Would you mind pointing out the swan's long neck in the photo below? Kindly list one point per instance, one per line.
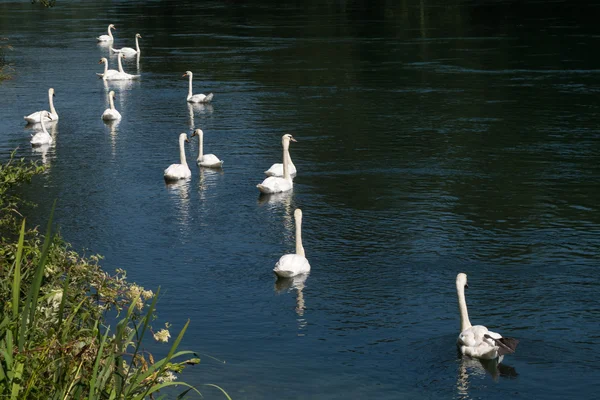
(105, 67)
(200, 146)
(119, 56)
(462, 306)
(286, 160)
(299, 248)
(111, 101)
(137, 46)
(110, 33)
(190, 90)
(182, 151)
(42, 123)
(51, 101)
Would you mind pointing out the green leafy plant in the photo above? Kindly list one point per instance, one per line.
(56, 312)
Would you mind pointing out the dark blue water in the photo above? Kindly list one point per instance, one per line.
(432, 139)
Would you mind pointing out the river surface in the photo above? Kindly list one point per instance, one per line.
(432, 139)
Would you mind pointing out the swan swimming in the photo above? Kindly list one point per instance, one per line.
(477, 341)
(34, 118)
(121, 74)
(196, 98)
(107, 72)
(205, 160)
(179, 171)
(43, 137)
(128, 51)
(109, 37)
(294, 264)
(111, 113)
(276, 184)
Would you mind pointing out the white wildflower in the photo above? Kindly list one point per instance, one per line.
(147, 294)
(55, 298)
(167, 377)
(162, 336)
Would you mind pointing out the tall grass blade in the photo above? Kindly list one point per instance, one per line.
(34, 291)
(16, 289)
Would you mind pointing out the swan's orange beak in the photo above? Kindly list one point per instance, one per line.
(184, 75)
(187, 140)
(293, 140)
(100, 62)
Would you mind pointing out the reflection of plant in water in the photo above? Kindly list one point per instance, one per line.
(45, 3)
(3, 65)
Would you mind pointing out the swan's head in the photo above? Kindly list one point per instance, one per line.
(122, 55)
(183, 137)
(197, 132)
(461, 281)
(137, 35)
(111, 93)
(51, 91)
(111, 26)
(187, 73)
(287, 138)
(298, 214)
(103, 60)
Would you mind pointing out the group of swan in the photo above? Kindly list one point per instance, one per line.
(114, 75)
(34, 118)
(181, 170)
(477, 341)
(275, 183)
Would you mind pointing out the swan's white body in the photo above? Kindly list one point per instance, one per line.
(43, 137)
(111, 113)
(128, 51)
(275, 184)
(294, 264)
(34, 118)
(196, 98)
(121, 74)
(179, 171)
(277, 169)
(476, 341)
(107, 72)
(205, 160)
(109, 37)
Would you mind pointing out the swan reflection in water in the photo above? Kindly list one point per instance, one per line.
(113, 132)
(207, 178)
(199, 109)
(43, 151)
(180, 191)
(473, 368)
(297, 284)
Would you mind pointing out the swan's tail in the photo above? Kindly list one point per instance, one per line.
(505, 345)
(208, 98)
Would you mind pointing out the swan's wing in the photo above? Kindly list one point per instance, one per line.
(505, 345)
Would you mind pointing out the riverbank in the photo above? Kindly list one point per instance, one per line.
(70, 329)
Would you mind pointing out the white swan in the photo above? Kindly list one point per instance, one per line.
(276, 184)
(121, 74)
(477, 341)
(196, 98)
(34, 118)
(111, 113)
(109, 37)
(277, 169)
(42, 137)
(294, 264)
(107, 72)
(205, 160)
(179, 171)
(128, 51)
